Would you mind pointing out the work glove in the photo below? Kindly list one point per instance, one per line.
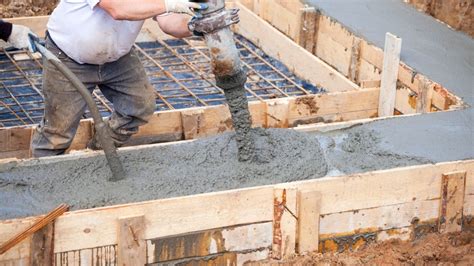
(20, 38)
(199, 26)
(184, 7)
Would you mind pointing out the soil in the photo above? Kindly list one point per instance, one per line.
(16, 9)
(433, 249)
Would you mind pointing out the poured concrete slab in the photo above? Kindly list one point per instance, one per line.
(433, 49)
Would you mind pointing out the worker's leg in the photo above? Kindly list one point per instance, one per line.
(64, 106)
(127, 87)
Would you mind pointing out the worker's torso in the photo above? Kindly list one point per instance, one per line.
(88, 34)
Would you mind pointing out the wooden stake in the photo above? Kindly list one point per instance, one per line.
(452, 201)
(41, 248)
(40, 223)
(309, 205)
(131, 241)
(391, 61)
(284, 223)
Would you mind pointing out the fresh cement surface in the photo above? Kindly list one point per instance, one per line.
(161, 171)
(445, 56)
(431, 48)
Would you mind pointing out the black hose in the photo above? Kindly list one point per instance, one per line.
(101, 128)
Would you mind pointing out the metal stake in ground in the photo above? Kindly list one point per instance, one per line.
(228, 70)
(101, 129)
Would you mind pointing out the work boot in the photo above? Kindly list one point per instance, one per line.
(94, 143)
(119, 140)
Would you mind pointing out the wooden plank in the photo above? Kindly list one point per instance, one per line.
(7, 230)
(237, 239)
(282, 14)
(387, 187)
(393, 46)
(84, 133)
(95, 228)
(15, 138)
(37, 225)
(163, 126)
(284, 223)
(172, 125)
(203, 122)
(364, 84)
(354, 66)
(452, 201)
(41, 248)
(309, 29)
(425, 97)
(87, 229)
(131, 241)
(334, 53)
(301, 62)
(406, 101)
(309, 206)
(379, 218)
(367, 71)
(468, 205)
(277, 113)
(307, 109)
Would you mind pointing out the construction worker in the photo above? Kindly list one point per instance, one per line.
(15, 35)
(95, 38)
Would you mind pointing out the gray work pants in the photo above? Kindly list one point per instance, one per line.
(123, 82)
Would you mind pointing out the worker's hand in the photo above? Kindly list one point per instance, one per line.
(225, 18)
(20, 38)
(184, 7)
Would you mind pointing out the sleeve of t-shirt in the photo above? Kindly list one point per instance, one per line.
(5, 30)
(92, 3)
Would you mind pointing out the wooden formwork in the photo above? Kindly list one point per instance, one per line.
(276, 221)
(349, 97)
(351, 55)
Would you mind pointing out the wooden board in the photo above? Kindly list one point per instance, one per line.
(131, 241)
(411, 188)
(201, 122)
(299, 61)
(453, 186)
(309, 205)
(393, 46)
(284, 222)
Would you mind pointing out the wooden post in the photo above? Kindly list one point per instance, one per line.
(131, 241)
(452, 202)
(41, 247)
(391, 62)
(309, 205)
(284, 223)
(309, 28)
(425, 96)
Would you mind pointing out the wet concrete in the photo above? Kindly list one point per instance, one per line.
(162, 171)
(445, 56)
(239, 110)
(431, 48)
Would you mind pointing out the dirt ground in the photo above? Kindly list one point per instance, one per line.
(25, 9)
(433, 249)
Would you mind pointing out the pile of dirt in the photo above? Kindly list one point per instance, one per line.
(19, 9)
(433, 249)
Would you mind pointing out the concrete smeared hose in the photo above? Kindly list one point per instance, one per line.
(228, 70)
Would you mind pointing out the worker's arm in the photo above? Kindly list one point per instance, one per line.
(175, 25)
(131, 10)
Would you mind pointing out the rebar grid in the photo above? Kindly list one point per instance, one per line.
(179, 70)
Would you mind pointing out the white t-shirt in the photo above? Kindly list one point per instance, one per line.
(88, 34)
